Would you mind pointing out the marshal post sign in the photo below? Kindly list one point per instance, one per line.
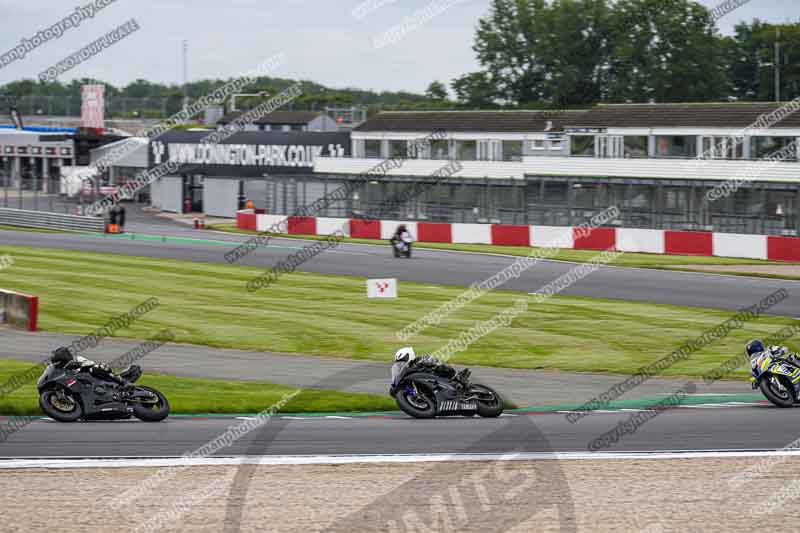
(247, 153)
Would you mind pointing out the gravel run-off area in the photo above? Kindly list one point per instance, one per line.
(652, 496)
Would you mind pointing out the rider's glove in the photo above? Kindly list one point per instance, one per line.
(778, 351)
(105, 368)
(430, 360)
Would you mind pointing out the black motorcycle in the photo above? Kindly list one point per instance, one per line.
(427, 391)
(68, 391)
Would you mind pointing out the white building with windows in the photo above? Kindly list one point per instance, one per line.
(656, 162)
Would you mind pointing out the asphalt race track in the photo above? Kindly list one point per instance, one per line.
(449, 268)
(744, 428)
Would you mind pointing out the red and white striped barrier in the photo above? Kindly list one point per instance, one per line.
(19, 310)
(701, 243)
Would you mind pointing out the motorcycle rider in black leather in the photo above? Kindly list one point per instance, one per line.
(398, 233)
(64, 357)
(777, 352)
(426, 361)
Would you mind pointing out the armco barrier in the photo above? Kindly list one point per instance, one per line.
(688, 242)
(19, 310)
(302, 225)
(511, 235)
(703, 243)
(783, 248)
(434, 232)
(472, 233)
(365, 229)
(649, 241)
(552, 237)
(736, 245)
(594, 239)
(329, 226)
(246, 220)
(47, 220)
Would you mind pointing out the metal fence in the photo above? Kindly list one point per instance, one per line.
(757, 208)
(48, 220)
(42, 193)
(163, 107)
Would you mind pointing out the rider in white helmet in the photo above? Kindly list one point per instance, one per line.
(405, 355)
(408, 355)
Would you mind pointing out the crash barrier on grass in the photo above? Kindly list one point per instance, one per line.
(19, 310)
(700, 243)
(48, 220)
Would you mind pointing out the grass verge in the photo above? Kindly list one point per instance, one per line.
(191, 395)
(629, 259)
(326, 315)
(31, 230)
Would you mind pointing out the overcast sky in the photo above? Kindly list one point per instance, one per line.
(322, 39)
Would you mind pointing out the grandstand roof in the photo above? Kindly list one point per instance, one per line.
(480, 121)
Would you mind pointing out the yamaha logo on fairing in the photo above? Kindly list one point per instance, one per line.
(454, 405)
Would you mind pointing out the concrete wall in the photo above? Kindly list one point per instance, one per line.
(155, 194)
(168, 194)
(220, 197)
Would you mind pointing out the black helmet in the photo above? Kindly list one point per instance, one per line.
(61, 356)
(753, 347)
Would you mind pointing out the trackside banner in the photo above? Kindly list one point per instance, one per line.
(247, 153)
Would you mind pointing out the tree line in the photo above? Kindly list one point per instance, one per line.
(548, 54)
(568, 53)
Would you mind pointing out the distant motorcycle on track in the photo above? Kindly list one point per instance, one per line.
(426, 388)
(401, 242)
(69, 391)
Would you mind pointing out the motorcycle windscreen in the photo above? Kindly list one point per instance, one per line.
(397, 369)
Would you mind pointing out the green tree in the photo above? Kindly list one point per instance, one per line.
(665, 51)
(535, 52)
(475, 90)
(507, 43)
(436, 91)
(575, 53)
(751, 53)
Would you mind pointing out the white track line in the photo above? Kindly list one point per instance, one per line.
(380, 459)
(707, 406)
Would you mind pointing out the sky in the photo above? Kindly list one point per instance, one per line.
(323, 41)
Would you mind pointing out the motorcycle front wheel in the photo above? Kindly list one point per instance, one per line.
(60, 405)
(777, 391)
(152, 412)
(490, 403)
(415, 402)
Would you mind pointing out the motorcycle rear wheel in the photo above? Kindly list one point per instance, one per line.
(486, 408)
(60, 410)
(779, 393)
(152, 413)
(420, 405)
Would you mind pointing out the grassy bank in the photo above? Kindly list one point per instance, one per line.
(629, 259)
(31, 230)
(190, 395)
(323, 315)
